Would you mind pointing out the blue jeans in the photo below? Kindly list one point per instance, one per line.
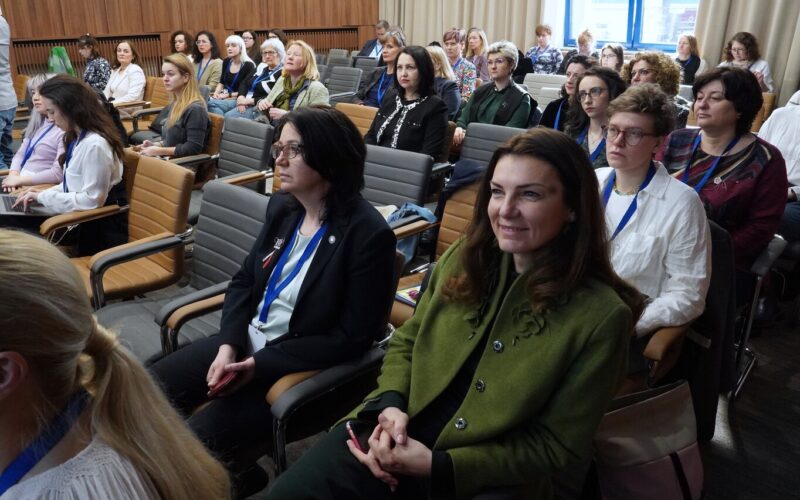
(790, 222)
(6, 123)
(221, 106)
(250, 112)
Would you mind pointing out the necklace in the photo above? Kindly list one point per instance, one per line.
(625, 193)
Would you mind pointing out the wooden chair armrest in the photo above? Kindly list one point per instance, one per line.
(60, 221)
(4, 172)
(147, 111)
(132, 244)
(287, 382)
(193, 310)
(413, 228)
(244, 178)
(131, 104)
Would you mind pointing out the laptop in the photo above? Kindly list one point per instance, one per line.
(34, 209)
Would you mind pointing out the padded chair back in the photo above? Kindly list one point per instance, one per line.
(244, 146)
(160, 202)
(130, 163)
(343, 79)
(448, 143)
(339, 61)
(215, 135)
(365, 62)
(362, 116)
(231, 218)
(685, 91)
(21, 86)
(393, 176)
(536, 81)
(458, 212)
(547, 95)
(320, 58)
(764, 112)
(338, 53)
(482, 139)
(158, 93)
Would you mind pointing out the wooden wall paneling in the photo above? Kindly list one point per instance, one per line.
(32, 19)
(84, 16)
(161, 16)
(244, 14)
(362, 12)
(201, 15)
(286, 14)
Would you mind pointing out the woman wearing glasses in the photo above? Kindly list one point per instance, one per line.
(555, 114)
(208, 65)
(663, 251)
(659, 68)
(257, 87)
(587, 111)
(742, 52)
(314, 291)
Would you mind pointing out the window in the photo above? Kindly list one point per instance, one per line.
(636, 24)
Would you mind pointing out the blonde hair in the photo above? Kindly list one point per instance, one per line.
(67, 350)
(441, 65)
(311, 72)
(189, 94)
(586, 37)
(484, 42)
(239, 41)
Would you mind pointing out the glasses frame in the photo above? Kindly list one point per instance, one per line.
(290, 151)
(595, 92)
(625, 137)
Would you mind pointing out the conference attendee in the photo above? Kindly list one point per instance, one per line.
(236, 68)
(555, 114)
(36, 160)
(465, 72)
(127, 79)
(500, 101)
(514, 352)
(251, 45)
(79, 415)
(416, 119)
(545, 57)
(585, 48)
(742, 52)
(444, 82)
(206, 57)
(8, 98)
(279, 34)
(663, 251)
(374, 47)
(740, 178)
(92, 166)
(659, 68)
(477, 44)
(313, 292)
(98, 70)
(181, 42)
(260, 83)
(612, 56)
(782, 130)
(183, 126)
(298, 85)
(380, 84)
(688, 57)
(587, 116)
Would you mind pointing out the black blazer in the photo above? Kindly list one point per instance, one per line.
(424, 129)
(343, 301)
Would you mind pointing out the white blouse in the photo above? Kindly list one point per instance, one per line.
(90, 174)
(127, 85)
(664, 250)
(97, 471)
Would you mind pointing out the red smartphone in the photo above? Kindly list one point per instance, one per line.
(359, 433)
(223, 382)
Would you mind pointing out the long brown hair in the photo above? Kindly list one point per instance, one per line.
(80, 104)
(578, 253)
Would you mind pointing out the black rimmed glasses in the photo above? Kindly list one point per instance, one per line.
(631, 136)
(290, 150)
(595, 92)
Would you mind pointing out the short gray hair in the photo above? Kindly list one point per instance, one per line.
(276, 44)
(507, 49)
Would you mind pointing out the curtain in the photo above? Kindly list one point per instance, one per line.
(776, 25)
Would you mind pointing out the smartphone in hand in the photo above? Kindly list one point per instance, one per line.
(222, 384)
(359, 432)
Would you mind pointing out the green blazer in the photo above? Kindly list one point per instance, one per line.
(315, 93)
(541, 386)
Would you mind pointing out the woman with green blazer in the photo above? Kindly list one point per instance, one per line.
(513, 354)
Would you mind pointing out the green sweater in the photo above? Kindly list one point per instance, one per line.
(544, 392)
(490, 104)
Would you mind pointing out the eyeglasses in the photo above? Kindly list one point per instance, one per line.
(269, 53)
(641, 72)
(595, 92)
(247, 38)
(499, 60)
(738, 49)
(631, 136)
(290, 150)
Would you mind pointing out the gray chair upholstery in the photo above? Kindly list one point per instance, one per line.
(339, 61)
(324, 72)
(231, 218)
(482, 139)
(338, 53)
(243, 149)
(343, 83)
(365, 62)
(393, 176)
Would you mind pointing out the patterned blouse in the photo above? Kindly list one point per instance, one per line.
(545, 60)
(97, 73)
(465, 77)
(746, 194)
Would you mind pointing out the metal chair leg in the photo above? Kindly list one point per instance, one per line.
(279, 445)
(742, 350)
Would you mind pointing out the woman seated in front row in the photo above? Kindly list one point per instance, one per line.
(314, 291)
(501, 101)
(520, 342)
(92, 166)
(183, 126)
(659, 232)
(414, 119)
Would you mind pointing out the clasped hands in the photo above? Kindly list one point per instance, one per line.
(391, 452)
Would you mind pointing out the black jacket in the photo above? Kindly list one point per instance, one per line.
(343, 301)
(423, 131)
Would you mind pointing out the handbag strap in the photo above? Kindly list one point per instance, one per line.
(681, 475)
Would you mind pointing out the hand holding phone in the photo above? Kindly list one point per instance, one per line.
(359, 433)
(223, 382)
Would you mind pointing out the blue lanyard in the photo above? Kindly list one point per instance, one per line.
(558, 115)
(713, 166)
(651, 172)
(273, 287)
(232, 87)
(46, 441)
(381, 90)
(202, 69)
(264, 75)
(599, 147)
(70, 148)
(457, 64)
(32, 146)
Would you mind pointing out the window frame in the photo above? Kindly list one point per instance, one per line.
(633, 39)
